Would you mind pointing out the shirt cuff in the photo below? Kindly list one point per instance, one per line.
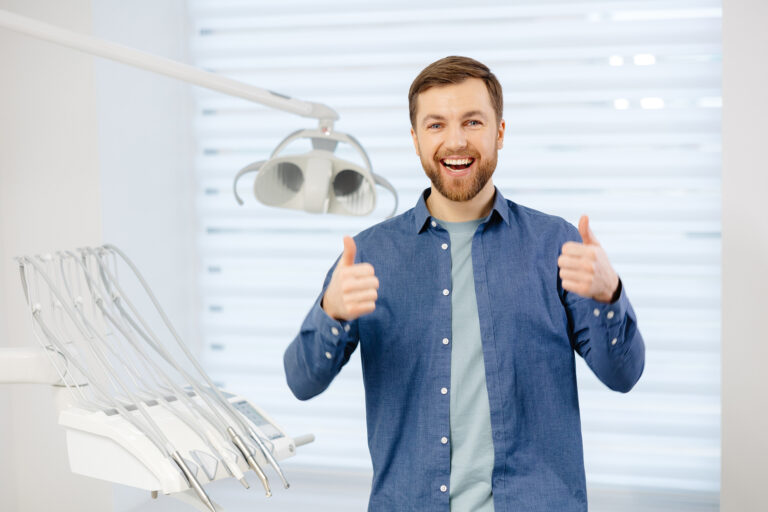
(612, 316)
(333, 333)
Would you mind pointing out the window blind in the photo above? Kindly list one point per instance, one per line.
(612, 109)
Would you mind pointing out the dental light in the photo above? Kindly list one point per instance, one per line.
(317, 182)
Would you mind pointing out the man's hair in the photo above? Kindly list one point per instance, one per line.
(454, 70)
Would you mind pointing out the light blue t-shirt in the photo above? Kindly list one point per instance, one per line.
(470, 415)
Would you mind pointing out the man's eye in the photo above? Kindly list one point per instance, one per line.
(434, 125)
(473, 123)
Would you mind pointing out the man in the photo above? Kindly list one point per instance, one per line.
(468, 309)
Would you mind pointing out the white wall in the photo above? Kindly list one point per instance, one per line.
(49, 199)
(745, 256)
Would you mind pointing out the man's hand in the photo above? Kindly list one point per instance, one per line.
(352, 290)
(585, 269)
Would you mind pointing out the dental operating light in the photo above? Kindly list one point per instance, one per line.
(317, 181)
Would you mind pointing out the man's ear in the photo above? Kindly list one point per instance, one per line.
(415, 142)
(500, 138)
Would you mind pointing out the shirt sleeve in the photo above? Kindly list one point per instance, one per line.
(607, 337)
(318, 352)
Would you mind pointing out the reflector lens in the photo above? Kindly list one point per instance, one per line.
(278, 183)
(353, 192)
(290, 175)
(347, 182)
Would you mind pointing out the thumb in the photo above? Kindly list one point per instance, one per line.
(587, 236)
(348, 256)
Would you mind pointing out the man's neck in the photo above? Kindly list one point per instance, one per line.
(478, 207)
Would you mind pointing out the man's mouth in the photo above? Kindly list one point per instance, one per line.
(457, 164)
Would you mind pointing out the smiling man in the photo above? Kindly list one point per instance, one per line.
(468, 310)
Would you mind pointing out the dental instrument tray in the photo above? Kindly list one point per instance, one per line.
(137, 406)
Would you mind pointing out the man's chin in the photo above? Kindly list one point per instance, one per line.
(458, 193)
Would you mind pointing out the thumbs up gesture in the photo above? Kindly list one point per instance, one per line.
(584, 267)
(352, 290)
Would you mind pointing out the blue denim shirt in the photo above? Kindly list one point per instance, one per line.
(530, 328)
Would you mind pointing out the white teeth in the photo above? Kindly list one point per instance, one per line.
(461, 161)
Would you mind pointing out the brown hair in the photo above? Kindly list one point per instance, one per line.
(454, 70)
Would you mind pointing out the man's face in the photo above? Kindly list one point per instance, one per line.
(457, 137)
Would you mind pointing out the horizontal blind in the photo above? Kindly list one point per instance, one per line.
(612, 109)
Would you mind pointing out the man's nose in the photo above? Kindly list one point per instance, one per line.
(455, 138)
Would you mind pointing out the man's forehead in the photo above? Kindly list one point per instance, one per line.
(468, 96)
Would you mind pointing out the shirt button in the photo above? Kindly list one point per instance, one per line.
(443, 488)
(444, 440)
(445, 341)
(609, 315)
(444, 391)
(434, 224)
(446, 291)
(596, 312)
(614, 341)
(335, 331)
(346, 328)
(328, 355)
(444, 246)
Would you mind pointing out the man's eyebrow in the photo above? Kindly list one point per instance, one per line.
(474, 113)
(433, 117)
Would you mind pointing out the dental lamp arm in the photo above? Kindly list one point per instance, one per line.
(383, 182)
(248, 168)
(167, 67)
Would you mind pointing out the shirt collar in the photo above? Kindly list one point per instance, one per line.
(421, 214)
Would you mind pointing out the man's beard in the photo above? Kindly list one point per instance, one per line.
(461, 188)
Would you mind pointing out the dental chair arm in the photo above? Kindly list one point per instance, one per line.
(29, 365)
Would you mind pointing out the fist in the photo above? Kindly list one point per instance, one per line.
(352, 291)
(584, 267)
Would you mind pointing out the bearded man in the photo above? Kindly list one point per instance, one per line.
(468, 309)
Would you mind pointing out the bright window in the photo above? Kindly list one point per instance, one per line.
(612, 109)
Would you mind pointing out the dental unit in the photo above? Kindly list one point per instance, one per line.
(135, 413)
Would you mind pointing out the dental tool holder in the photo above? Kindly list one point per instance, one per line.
(101, 444)
(139, 409)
